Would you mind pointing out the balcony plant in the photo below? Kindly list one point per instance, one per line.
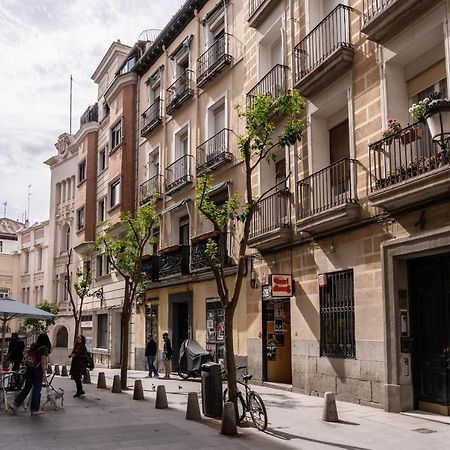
(417, 109)
(393, 127)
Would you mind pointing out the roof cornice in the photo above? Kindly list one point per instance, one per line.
(119, 83)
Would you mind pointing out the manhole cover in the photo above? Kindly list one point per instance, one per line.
(424, 430)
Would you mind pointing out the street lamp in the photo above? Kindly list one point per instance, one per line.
(437, 115)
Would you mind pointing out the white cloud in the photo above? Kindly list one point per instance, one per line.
(42, 44)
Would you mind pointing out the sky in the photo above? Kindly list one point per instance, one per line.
(42, 43)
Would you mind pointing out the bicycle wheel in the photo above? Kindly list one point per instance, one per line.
(240, 403)
(257, 410)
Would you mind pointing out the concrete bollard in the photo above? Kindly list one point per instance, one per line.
(228, 427)
(64, 371)
(87, 377)
(57, 372)
(101, 381)
(329, 413)
(116, 387)
(161, 398)
(138, 393)
(193, 409)
(49, 369)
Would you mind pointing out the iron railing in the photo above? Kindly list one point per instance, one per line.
(214, 151)
(254, 5)
(179, 91)
(151, 117)
(337, 316)
(403, 156)
(150, 187)
(372, 8)
(178, 173)
(198, 258)
(90, 115)
(273, 213)
(150, 266)
(331, 34)
(332, 186)
(273, 83)
(175, 262)
(213, 60)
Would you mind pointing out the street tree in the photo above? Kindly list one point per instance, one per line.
(125, 244)
(41, 326)
(259, 143)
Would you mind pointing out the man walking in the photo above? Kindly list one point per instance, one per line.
(167, 355)
(15, 351)
(150, 354)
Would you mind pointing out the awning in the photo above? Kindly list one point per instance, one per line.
(176, 205)
(218, 188)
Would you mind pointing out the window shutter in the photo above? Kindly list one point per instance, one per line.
(427, 78)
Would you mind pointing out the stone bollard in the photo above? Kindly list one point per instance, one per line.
(101, 381)
(228, 427)
(138, 393)
(116, 387)
(64, 371)
(49, 369)
(57, 372)
(329, 413)
(87, 377)
(193, 409)
(161, 398)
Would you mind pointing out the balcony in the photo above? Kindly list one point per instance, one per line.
(174, 261)
(259, 10)
(271, 223)
(327, 199)
(212, 62)
(178, 174)
(151, 118)
(213, 153)
(384, 19)
(150, 266)
(274, 83)
(325, 53)
(90, 115)
(198, 259)
(179, 91)
(150, 187)
(407, 168)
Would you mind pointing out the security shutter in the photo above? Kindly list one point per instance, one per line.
(427, 78)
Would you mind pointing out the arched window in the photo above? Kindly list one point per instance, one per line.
(65, 238)
(62, 337)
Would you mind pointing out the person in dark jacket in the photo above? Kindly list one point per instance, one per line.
(79, 363)
(150, 354)
(167, 355)
(15, 351)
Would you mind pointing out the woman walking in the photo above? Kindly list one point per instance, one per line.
(79, 363)
(36, 362)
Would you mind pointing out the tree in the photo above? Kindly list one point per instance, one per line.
(125, 254)
(42, 325)
(256, 145)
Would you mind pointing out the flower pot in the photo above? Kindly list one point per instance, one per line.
(411, 135)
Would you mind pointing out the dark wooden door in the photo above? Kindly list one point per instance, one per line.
(429, 287)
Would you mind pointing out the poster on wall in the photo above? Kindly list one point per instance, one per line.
(278, 325)
(271, 347)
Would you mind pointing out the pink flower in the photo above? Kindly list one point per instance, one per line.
(390, 122)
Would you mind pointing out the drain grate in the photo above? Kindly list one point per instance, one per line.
(424, 430)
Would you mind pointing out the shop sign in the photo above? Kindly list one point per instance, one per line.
(281, 285)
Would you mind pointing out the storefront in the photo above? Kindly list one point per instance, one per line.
(215, 329)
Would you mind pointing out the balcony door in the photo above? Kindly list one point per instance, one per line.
(217, 124)
(183, 231)
(340, 173)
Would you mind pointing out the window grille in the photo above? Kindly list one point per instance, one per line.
(337, 316)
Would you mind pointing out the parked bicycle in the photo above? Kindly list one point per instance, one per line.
(250, 402)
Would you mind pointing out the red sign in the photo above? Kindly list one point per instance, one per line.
(281, 285)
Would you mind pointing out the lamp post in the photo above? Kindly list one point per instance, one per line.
(437, 116)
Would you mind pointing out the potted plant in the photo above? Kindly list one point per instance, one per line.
(437, 116)
(393, 127)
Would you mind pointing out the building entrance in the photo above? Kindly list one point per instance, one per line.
(429, 287)
(180, 309)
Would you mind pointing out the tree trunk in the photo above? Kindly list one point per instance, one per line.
(77, 329)
(125, 327)
(229, 356)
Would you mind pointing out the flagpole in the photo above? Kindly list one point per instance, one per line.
(70, 113)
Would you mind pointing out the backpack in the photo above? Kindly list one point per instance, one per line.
(31, 357)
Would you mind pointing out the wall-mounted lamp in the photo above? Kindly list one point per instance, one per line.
(253, 279)
(99, 294)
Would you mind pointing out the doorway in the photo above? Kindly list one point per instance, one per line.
(429, 287)
(180, 322)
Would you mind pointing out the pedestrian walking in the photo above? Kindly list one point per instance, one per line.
(79, 363)
(15, 351)
(167, 356)
(36, 365)
(150, 354)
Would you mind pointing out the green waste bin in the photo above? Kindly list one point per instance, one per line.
(212, 389)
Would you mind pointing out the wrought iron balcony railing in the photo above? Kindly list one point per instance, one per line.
(213, 60)
(328, 188)
(150, 187)
(198, 258)
(273, 83)
(179, 173)
(273, 213)
(150, 266)
(174, 262)
(331, 34)
(373, 8)
(179, 91)
(254, 5)
(214, 152)
(403, 156)
(151, 117)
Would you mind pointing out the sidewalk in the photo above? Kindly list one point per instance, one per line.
(104, 420)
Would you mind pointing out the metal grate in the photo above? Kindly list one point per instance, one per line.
(337, 316)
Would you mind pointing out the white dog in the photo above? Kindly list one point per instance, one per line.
(53, 395)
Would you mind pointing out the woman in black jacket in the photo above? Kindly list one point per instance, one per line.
(79, 363)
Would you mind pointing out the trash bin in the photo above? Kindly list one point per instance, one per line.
(212, 389)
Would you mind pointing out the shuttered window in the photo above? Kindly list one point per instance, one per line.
(426, 79)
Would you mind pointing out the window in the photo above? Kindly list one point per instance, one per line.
(39, 258)
(153, 163)
(81, 173)
(114, 192)
(102, 160)
(181, 143)
(116, 135)
(66, 239)
(184, 230)
(128, 65)
(4, 293)
(27, 262)
(105, 109)
(102, 330)
(80, 219)
(337, 316)
(87, 266)
(102, 265)
(101, 207)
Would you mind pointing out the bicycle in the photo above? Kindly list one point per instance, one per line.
(252, 403)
